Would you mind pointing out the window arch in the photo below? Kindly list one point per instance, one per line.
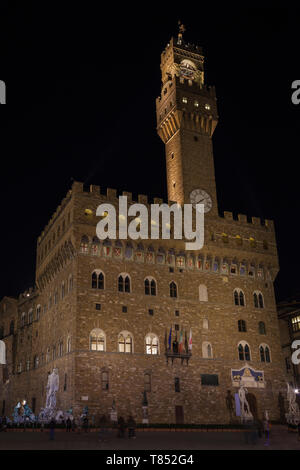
(207, 351)
(68, 344)
(62, 290)
(244, 351)
(70, 283)
(12, 327)
(95, 248)
(125, 342)
(84, 244)
(173, 289)
(258, 299)
(36, 362)
(97, 280)
(239, 297)
(97, 340)
(242, 326)
(30, 316)
(264, 352)
(262, 328)
(38, 312)
(147, 382)
(23, 319)
(203, 296)
(2, 353)
(152, 344)
(150, 286)
(104, 380)
(124, 284)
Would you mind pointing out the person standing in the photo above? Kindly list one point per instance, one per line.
(52, 427)
(68, 425)
(131, 427)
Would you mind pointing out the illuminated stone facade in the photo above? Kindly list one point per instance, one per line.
(223, 294)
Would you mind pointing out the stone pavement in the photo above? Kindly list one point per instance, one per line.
(280, 439)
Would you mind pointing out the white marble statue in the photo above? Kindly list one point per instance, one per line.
(245, 408)
(52, 388)
(291, 396)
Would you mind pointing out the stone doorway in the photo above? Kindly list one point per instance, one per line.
(251, 398)
(179, 414)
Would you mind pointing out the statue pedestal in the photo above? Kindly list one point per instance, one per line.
(247, 419)
(293, 419)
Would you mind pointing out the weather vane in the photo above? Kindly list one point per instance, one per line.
(181, 31)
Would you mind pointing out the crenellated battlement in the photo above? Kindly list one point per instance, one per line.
(207, 91)
(242, 219)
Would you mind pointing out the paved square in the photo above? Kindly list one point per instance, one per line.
(280, 439)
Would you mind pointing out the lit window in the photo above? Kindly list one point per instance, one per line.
(296, 323)
(151, 344)
(207, 107)
(196, 104)
(184, 100)
(97, 340)
(125, 343)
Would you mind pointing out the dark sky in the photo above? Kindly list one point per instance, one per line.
(81, 89)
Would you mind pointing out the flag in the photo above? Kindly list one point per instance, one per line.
(170, 338)
(181, 342)
(190, 341)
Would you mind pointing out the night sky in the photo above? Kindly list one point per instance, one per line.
(81, 89)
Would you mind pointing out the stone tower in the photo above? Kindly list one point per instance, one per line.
(186, 119)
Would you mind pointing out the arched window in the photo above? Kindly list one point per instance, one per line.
(124, 283)
(95, 248)
(173, 289)
(97, 340)
(97, 280)
(104, 380)
(60, 348)
(207, 351)
(68, 344)
(48, 355)
(151, 341)
(203, 296)
(244, 351)
(38, 312)
(205, 324)
(242, 325)
(62, 290)
(53, 353)
(2, 353)
(147, 382)
(258, 300)
(70, 283)
(36, 362)
(239, 297)
(125, 342)
(30, 316)
(150, 286)
(84, 244)
(23, 319)
(264, 353)
(261, 328)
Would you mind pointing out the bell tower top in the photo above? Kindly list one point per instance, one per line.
(186, 113)
(182, 59)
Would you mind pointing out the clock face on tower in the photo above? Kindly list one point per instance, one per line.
(199, 196)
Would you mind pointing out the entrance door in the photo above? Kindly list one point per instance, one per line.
(179, 414)
(252, 404)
